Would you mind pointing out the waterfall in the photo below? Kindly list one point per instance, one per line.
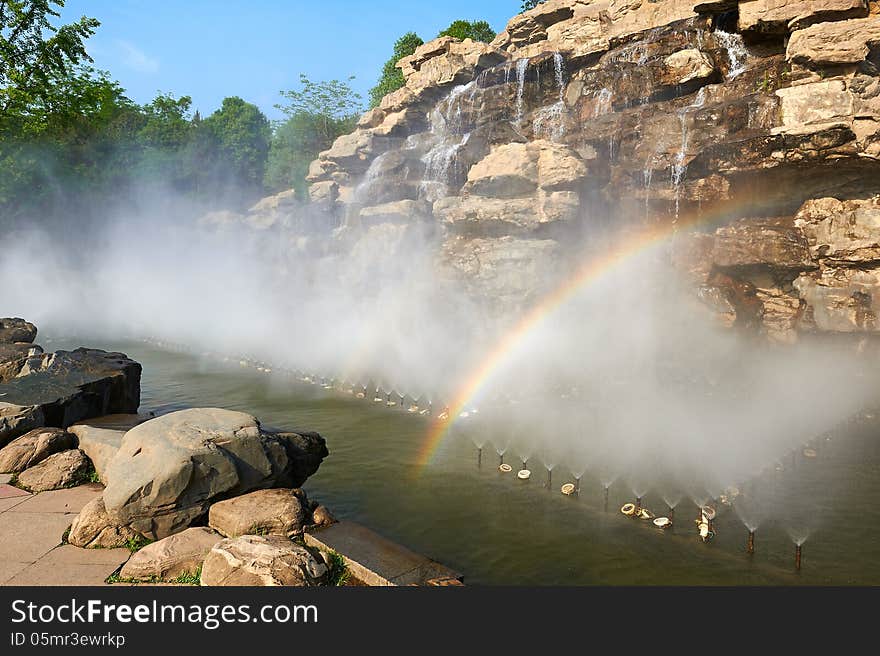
(521, 67)
(448, 136)
(549, 122)
(679, 168)
(736, 50)
(603, 102)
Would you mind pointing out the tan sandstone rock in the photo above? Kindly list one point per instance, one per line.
(59, 470)
(787, 15)
(101, 437)
(264, 512)
(253, 560)
(34, 447)
(171, 557)
(830, 44)
(93, 528)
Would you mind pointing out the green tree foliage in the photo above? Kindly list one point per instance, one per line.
(317, 113)
(476, 30)
(391, 78)
(241, 134)
(34, 52)
(530, 4)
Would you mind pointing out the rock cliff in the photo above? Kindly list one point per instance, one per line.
(749, 130)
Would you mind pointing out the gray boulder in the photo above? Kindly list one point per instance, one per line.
(34, 447)
(59, 389)
(100, 438)
(169, 470)
(59, 470)
(254, 560)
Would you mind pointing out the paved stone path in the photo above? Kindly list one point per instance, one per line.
(31, 526)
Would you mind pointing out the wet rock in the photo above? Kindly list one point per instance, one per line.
(100, 438)
(264, 512)
(756, 244)
(842, 231)
(253, 560)
(815, 106)
(93, 528)
(685, 66)
(169, 470)
(842, 300)
(13, 330)
(834, 43)
(171, 557)
(59, 389)
(402, 211)
(446, 61)
(34, 447)
(64, 469)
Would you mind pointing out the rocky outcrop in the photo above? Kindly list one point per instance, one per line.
(714, 120)
(93, 528)
(172, 557)
(254, 560)
(169, 470)
(15, 330)
(59, 389)
(264, 512)
(63, 469)
(34, 447)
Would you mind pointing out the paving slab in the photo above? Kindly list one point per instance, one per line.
(25, 537)
(70, 500)
(8, 569)
(11, 502)
(69, 565)
(375, 560)
(8, 491)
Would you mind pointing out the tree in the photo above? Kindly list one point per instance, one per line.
(392, 78)
(241, 132)
(476, 30)
(530, 4)
(317, 114)
(33, 52)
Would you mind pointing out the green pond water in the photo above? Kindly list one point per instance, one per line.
(498, 530)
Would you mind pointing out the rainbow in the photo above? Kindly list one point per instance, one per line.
(588, 274)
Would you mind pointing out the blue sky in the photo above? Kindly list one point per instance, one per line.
(209, 50)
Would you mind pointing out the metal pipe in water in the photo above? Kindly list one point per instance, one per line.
(479, 457)
(671, 513)
(549, 478)
(606, 499)
(638, 505)
(523, 464)
(500, 459)
(750, 545)
(577, 485)
(797, 557)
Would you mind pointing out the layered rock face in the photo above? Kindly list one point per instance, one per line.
(750, 130)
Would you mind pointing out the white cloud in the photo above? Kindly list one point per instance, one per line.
(136, 59)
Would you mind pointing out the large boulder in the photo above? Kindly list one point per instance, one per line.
(59, 389)
(264, 512)
(842, 231)
(834, 43)
(254, 560)
(171, 557)
(64, 469)
(14, 330)
(786, 15)
(93, 528)
(169, 470)
(101, 437)
(34, 447)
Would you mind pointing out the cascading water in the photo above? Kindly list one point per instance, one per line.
(448, 136)
(679, 168)
(522, 66)
(549, 122)
(736, 50)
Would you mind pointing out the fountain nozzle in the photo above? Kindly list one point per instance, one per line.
(750, 545)
(577, 485)
(797, 557)
(479, 457)
(606, 499)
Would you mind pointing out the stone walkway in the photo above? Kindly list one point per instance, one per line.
(31, 526)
